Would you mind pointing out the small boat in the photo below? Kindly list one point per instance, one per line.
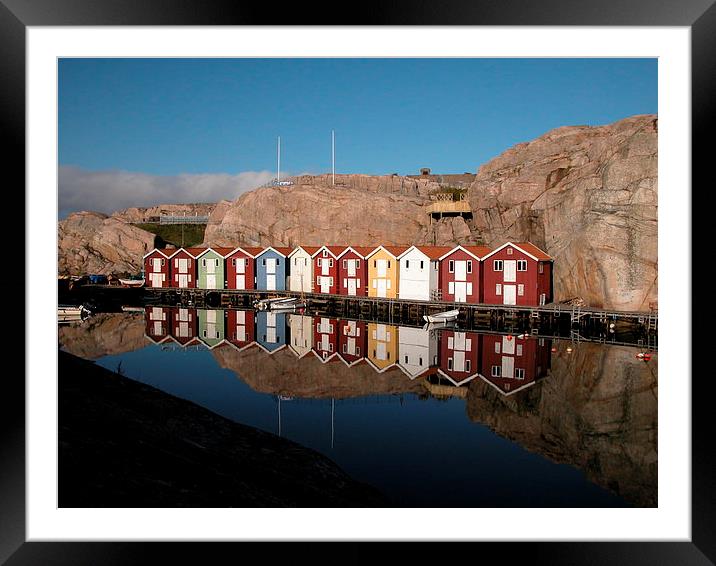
(274, 304)
(69, 313)
(280, 307)
(126, 308)
(447, 316)
(132, 282)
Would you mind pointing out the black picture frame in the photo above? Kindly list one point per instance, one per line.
(16, 15)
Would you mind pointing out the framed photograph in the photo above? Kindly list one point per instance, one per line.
(451, 382)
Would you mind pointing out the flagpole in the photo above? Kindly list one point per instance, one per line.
(333, 154)
(278, 174)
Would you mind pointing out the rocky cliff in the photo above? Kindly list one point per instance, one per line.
(91, 242)
(588, 196)
(597, 411)
(103, 334)
(282, 374)
(359, 209)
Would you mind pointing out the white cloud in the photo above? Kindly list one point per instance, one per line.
(107, 191)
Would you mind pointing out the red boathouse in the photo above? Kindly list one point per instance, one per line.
(182, 267)
(241, 268)
(325, 269)
(460, 274)
(353, 271)
(517, 274)
(156, 268)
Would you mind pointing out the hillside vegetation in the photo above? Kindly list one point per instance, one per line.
(192, 234)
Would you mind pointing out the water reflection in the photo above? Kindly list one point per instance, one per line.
(592, 407)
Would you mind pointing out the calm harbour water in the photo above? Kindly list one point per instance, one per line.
(430, 418)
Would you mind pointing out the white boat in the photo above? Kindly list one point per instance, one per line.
(447, 316)
(274, 304)
(67, 313)
(132, 282)
(126, 308)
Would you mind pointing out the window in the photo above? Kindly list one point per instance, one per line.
(451, 266)
(330, 281)
(521, 265)
(467, 365)
(176, 263)
(375, 263)
(519, 349)
(541, 267)
(520, 289)
(203, 262)
(246, 261)
(278, 262)
(318, 262)
(497, 265)
(450, 363)
(330, 262)
(497, 347)
(498, 288)
(509, 251)
(357, 264)
(163, 261)
(388, 264)
(421, 264)
(318, 280)
(233, 261)
(345, 264)
(469, 266)
(420, 361)
(407, 264)
(519, 373)
(406, 359)
(496, 371)
(263, 261)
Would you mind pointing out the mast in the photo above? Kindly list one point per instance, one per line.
(278, 174)
(333, 154)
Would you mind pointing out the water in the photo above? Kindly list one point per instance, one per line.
(430, 418)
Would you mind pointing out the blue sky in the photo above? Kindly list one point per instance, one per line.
(176, 118)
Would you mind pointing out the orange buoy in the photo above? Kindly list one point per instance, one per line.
(647, 357)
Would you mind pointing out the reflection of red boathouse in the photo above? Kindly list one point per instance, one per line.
(458, 356)
(510, 363)
(183, 325)
(352, 341)
(325, 337)
(156, 323)
(240, 328)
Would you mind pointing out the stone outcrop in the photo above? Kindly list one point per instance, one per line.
(150, 214)
(281, 373)
(359, 209)
(596, 411)
(91, 242)
(588, 196)
(103, 334)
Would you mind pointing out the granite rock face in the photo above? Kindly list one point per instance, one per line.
(587, 196)
(281, 373)
(103, 334)
(596, 411)
(92, 242)
(359, 209)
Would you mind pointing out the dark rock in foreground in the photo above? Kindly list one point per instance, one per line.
(125, 444)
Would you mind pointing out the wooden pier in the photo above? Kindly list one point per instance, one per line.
(551, 320)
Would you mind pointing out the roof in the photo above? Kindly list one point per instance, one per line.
(284, 251)
(161, 251)
(194, 250)
(310, 250)
(530, 248)
(527, 247)
(335, 251)
(432, 252)
(395, 251)
(251, 251)
(223, 252)
(362, 251)
(478, 252)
